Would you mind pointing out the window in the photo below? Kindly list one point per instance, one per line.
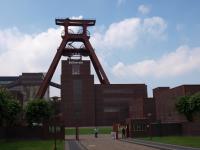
(77, 90)
(117, 99)
(111, 109)
(77, 95)
(75, 69)
(118, 91)
(139, 127)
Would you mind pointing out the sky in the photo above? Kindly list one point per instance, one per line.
(155, 42)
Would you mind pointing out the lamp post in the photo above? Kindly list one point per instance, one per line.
(77, 125)
(150, 130)
(55, 98)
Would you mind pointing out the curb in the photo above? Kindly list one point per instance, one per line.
(161, 146)
(82, 146)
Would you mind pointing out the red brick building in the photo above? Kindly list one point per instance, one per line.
(143, 108)
(165, 100)
(87, 104)
(24, 87)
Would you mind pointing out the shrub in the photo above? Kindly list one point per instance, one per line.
(183, 107)
(189, 105)
(9, 107)
(38, 111)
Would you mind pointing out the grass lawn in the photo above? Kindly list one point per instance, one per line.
(88, 130)
(30, 145)
(191, 141)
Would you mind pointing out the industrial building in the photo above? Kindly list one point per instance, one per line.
(84, 103)
(24, 87)
(87, 104)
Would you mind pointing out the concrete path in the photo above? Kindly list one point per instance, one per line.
(161, 146)
(72, 145)
(105, 142)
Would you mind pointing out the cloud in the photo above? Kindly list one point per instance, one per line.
(179, 27)
(120, 2)
(144, 9)
(183, 60)
(21, 52)
(127, 33)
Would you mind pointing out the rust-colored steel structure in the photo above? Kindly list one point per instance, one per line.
(66, 49)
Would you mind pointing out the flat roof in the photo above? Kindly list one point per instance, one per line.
(8, 78)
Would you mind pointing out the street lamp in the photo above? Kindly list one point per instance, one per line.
(149, 118)
(55, 98)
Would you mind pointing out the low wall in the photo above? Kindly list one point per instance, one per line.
(191, 129)
(2, 133)
(31, 132)
(166, 129)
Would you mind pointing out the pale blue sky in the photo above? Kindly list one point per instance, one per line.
(160, 43)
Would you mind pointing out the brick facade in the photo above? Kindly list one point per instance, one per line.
(143, 108)
(87, 104)
(77, 93)
(166, 99)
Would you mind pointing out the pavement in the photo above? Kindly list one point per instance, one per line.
(105, 142)
(72, 145)
(157, 145)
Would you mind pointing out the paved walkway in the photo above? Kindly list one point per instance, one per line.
(161, 146)
(72, 145)
(105, 142)
(88, 142)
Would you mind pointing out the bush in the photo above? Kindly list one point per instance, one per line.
(195, 102)
(38, 111)
(14, 110)
(189, 105)
(10, 109)
(183, 107)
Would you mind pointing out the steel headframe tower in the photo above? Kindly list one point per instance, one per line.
(66, 49)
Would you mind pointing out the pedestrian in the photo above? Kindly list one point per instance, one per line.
(95, 132)
(123, 133)
(113, 135)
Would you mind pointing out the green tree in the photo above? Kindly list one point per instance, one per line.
(13, 112)
(9, 107)
(184, 107)
(3, 103)
(195, 102)
(38, 111)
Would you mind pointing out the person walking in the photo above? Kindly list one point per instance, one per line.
(123, 133)
(95, 132)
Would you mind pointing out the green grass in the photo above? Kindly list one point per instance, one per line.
(30, 145)
(88, 130)
(191, 141)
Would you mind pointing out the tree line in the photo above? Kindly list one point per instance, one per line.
(12, 113)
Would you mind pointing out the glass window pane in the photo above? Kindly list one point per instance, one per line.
(75, 69)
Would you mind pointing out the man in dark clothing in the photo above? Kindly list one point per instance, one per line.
(123, 133)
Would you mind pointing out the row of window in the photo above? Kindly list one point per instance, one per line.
(139, 127)
(121, 91)
(111, 109)
(77, 95)
(75, 69)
